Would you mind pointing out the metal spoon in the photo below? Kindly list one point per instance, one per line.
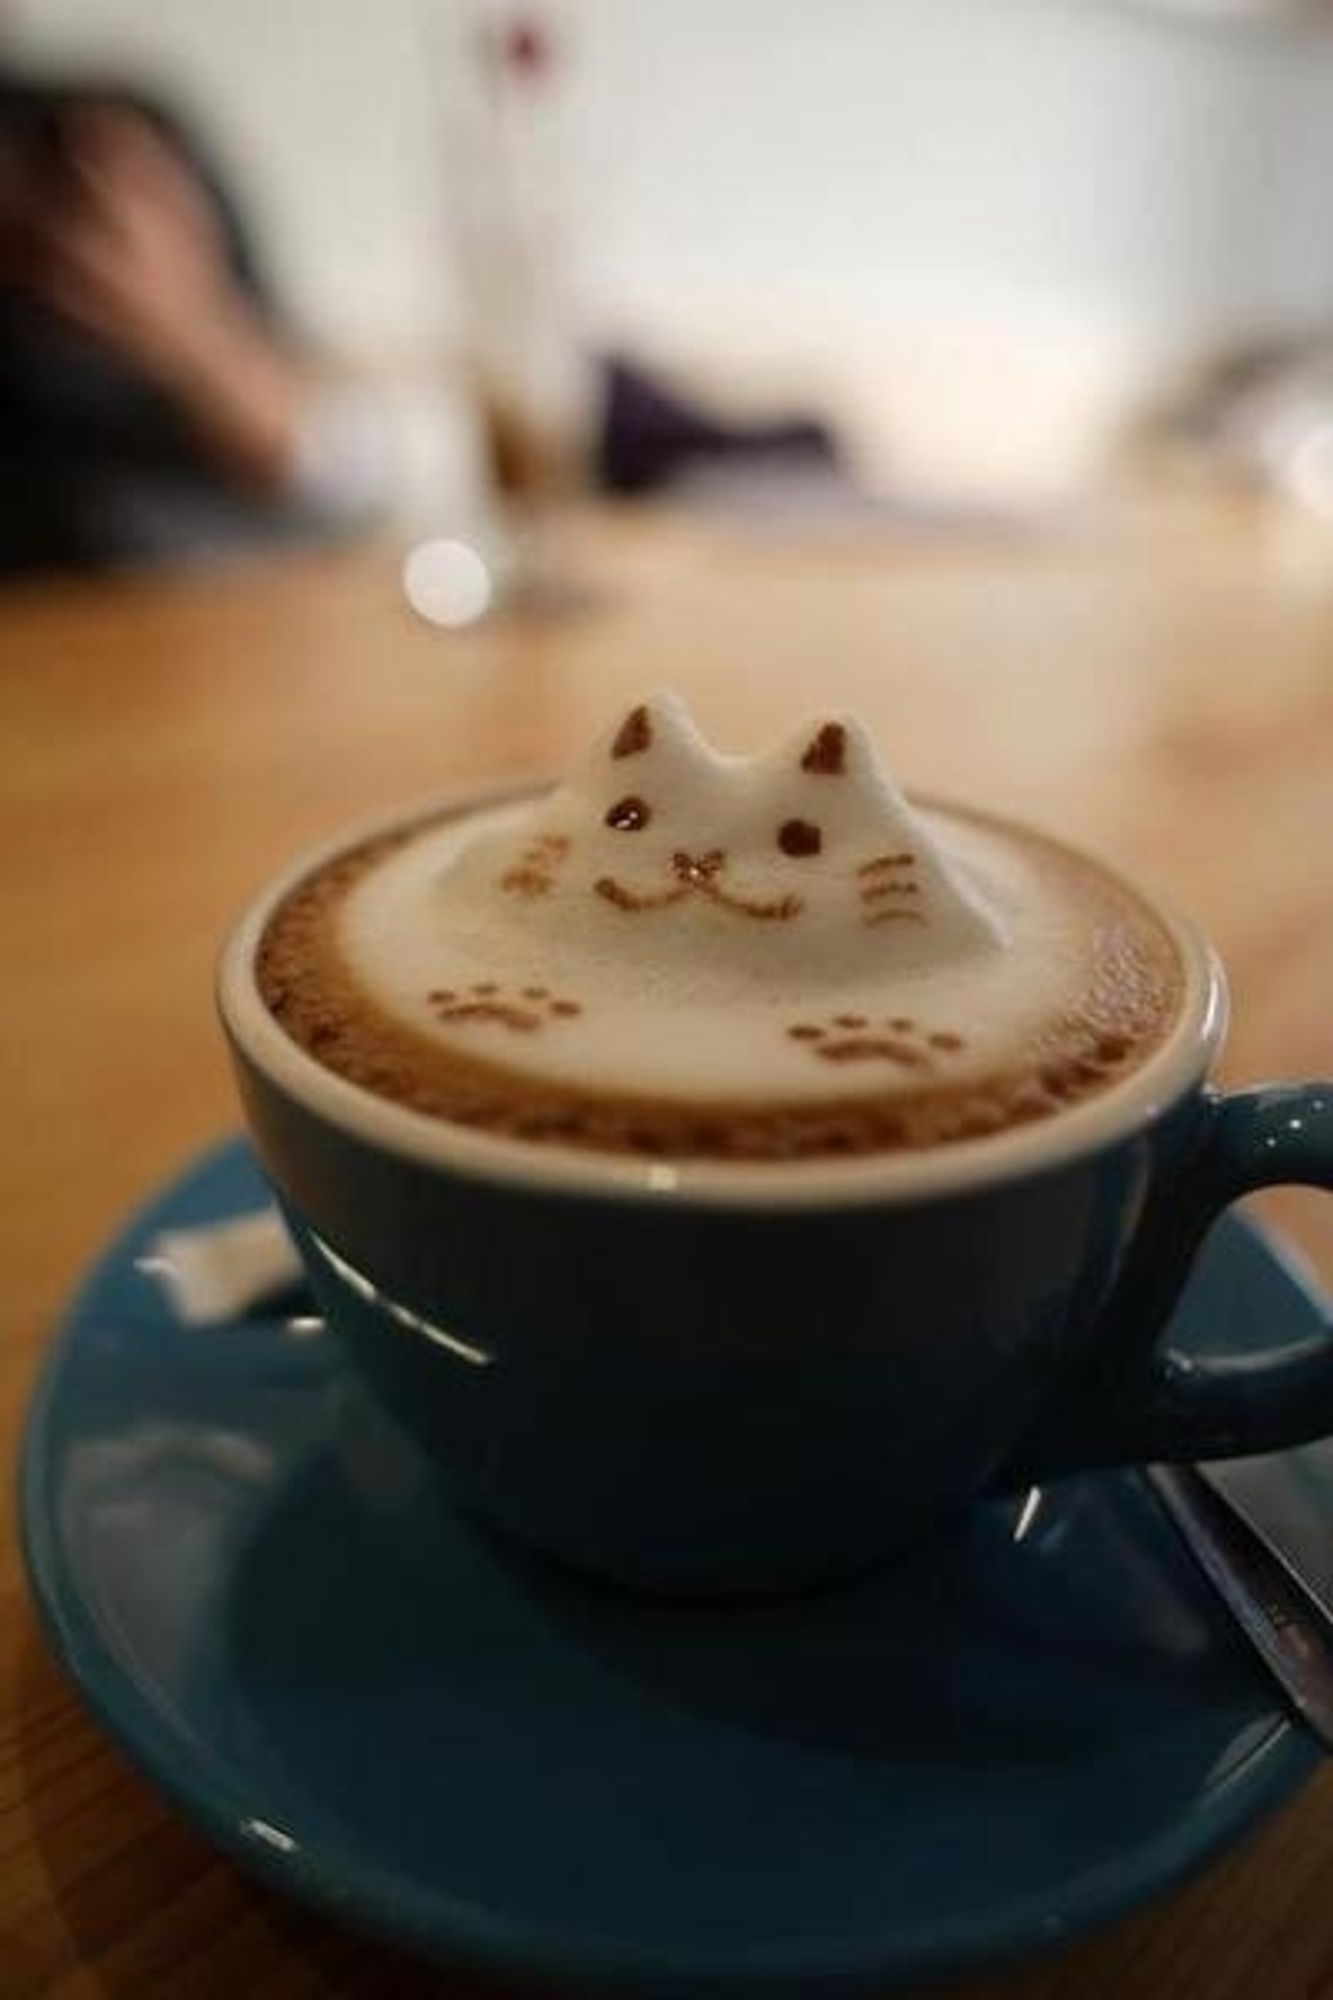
(1292, 1636)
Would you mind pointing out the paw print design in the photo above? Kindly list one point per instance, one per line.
(524, 1011)
(893, 1039)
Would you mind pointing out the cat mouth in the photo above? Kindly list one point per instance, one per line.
(697, 875)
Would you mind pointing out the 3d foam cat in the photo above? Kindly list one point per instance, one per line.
(807, 855)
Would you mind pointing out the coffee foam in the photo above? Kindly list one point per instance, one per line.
(680, 952)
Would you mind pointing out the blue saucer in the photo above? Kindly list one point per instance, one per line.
(1031, 1727)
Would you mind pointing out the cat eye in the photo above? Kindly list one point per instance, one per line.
(799, 838)
(628, 815)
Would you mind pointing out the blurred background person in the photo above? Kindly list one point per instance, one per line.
(151, 400)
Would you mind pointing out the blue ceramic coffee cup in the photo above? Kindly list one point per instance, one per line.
(715, 1377)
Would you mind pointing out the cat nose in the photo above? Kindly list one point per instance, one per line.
(697, 867)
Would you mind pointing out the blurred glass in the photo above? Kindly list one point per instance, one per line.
(501, 99)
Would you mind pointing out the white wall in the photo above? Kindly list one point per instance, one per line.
(979, 220)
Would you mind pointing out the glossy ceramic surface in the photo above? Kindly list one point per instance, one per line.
(261, 1588)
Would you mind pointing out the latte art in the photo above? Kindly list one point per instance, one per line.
(681, 953)
(662, 853)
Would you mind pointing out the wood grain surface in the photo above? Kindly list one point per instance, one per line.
(1158, 686)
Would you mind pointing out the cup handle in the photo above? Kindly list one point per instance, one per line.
(1146, 1401)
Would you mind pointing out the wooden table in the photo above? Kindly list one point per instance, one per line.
(1161, 689)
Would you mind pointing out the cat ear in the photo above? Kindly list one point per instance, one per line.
(834, 764)
(836, 747)
(824, 752)
(661, 723)
(635, 734)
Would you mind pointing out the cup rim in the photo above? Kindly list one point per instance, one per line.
(867, 1179)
